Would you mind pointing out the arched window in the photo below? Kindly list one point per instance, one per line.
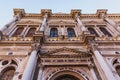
(105, 31)
(18, 32)
(54, 32)
(118, 69)
(31, 32)
(92, 31)
(7, 73)
(71, 32)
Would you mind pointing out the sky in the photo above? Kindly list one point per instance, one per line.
(65, 6)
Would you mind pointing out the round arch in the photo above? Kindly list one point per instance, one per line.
(8, 72)
(69, 74)
(76, 75)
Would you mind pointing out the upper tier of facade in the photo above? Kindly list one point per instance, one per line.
(62, 27)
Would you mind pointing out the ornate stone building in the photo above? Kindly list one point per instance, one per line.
(60, 46)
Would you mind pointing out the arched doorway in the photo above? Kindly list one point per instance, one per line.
(66, 77)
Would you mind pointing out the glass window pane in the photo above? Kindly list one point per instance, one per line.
(31, 32)
(18, 32)
(105, 32)
(54, 32)
(92, 31)
(71, 32)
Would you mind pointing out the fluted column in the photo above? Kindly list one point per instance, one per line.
(46, 31)
(10, 23)
(12, 32)
(24, 31)
(28, 72)
(106, 70)
(44, 23)
(112, 25)
(98, 31)
(59, 30)
(40, 72)
(93, 73)
(82, 27)
(62, 31)
(110, 21)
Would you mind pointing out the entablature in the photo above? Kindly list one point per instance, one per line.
(28, 22)
(65, 61)
(16, 48)
(11, 56)
(92, 22)
(62, 22)
(65, 56)
(32, 16)
(106, 39)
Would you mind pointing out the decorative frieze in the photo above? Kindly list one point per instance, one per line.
(65, 61)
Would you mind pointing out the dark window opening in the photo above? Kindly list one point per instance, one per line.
(92, 31)
(71, 32)
(54, 32)
(18, 32)
(31, 32)
(105, 31)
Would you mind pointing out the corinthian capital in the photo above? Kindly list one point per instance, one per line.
(36, 46)
(93, 45)
(46, 15)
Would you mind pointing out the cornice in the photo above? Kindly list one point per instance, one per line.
(19, 11)
(98, 14)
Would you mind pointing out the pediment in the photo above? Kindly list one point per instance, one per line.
(65, 51)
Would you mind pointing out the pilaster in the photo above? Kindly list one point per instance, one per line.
(43, 26)
(93, 72)
(110, 23)
(46, 13)
(40, 72)
(18, 13)
(28, 72)
(13, 31)
(24, 32)
(106, 70)
(98, 31)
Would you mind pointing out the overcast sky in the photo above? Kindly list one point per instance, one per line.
(34, 6)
